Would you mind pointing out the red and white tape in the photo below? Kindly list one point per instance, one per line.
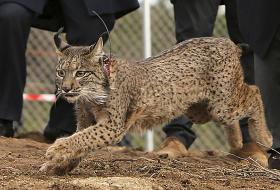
(39, 97)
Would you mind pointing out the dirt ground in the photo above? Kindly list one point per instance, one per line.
(116, 169)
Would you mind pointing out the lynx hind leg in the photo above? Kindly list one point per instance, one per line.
(244, 151)
(234, 136)
(252, 107)
(235, 139)
(258, 130)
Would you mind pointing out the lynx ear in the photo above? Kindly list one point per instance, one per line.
(59, 43)
(97, 49)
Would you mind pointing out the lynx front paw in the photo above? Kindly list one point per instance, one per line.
(62, 157)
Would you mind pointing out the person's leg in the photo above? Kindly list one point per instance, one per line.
(193, 18)
(181, 129)
(267, 77)
(81, 29)
(15, 23)
(247, 59)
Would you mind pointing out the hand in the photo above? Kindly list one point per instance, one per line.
(62, 157)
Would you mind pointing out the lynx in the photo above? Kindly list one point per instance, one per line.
(201, 78)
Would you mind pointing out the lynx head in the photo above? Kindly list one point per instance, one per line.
(80, 72)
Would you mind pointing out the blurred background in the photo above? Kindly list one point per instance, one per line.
(127, 42)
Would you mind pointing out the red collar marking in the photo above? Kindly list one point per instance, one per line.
(107, 65)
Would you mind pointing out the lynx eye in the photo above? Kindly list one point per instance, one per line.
(80, 73)
(60, 73)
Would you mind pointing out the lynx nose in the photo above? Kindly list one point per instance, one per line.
(66, 88)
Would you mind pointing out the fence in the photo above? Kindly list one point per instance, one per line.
(127, 42)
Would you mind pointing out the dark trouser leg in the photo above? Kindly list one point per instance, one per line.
(61, 122)
(247, 59)
(81, 29)
(15, 22)
(194, 18)
(247, 62)
(181, 129)
(267, 76)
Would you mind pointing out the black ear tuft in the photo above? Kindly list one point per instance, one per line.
(57, 39)
(60, 45)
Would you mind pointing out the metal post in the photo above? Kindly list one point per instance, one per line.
(147, 53)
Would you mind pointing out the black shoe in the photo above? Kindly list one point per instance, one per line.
(6, 128)
(274, 160)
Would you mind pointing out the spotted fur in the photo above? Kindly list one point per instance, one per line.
(201, 78)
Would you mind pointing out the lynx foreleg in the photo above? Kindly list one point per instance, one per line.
(66, 150)
(109, 130)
